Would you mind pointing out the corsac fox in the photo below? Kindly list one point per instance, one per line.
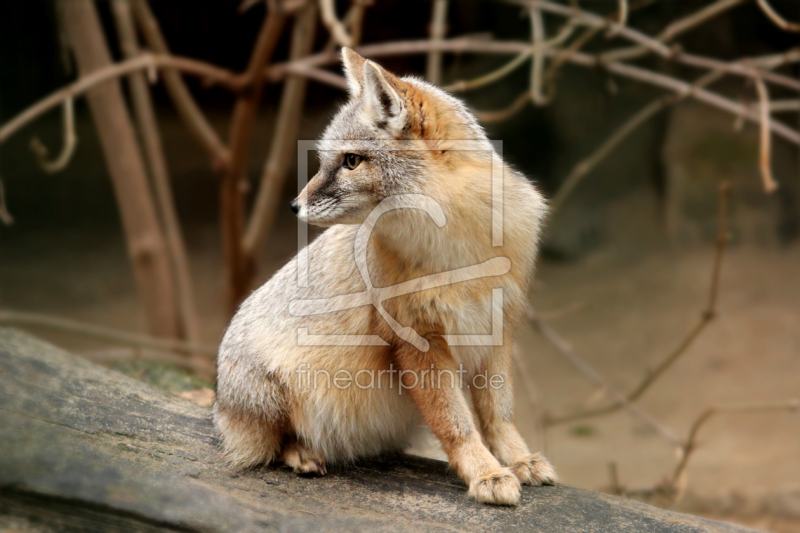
(403, 290)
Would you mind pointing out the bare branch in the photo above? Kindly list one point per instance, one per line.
(585, 166)
(67, 149)
(19, 318)
(238, 268)
(181, 97)
(654, 45)
(531, 388)
(116, 70)
(356, 21)
(504, 114)
(353, 20)
(333, 24)
(283, 139)
(438, 27)
(622, 20)
(126, 168)
(159, 175)
(537, 65)
(691, 442)
(779, 21)
(5, 216)
(676, 28)
(591, 374)
(278, 71)
(765, 150)
(461, 86)
(784, 106)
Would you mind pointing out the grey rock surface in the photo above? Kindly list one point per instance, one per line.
(84, 448)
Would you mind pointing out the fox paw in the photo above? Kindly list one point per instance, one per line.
(534, 469)
(499, 487)
(304, 462)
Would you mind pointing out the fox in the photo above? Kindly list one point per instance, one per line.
(409, 275)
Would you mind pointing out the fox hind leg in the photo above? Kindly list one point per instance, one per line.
(247, 439)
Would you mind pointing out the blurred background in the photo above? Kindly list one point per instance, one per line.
(649, 276)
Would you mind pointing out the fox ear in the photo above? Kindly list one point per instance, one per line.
(382, 97)
(353, 71)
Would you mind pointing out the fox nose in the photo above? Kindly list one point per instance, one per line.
(294, 206)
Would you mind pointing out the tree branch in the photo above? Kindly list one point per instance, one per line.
(68, 147)
(284, 139)
(159, 175)
(280, 70)
(334, 25)
(779, 21)
(691, 441)
(765, 152)
(591, 374)
(116, 70)
(438, 27)
(181, 97)
(5, 216)
(234, 179)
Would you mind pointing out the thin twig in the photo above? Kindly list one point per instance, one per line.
(467, 85)
(69, 143)
(356, 22)
(503, 114)
(283, 141)
(101, 332)
(184, 102)
(691, 442)
(530, 387)
(580, 170)
(159, 175)
(765, 152)
(86, 82)
(353, 21)
(674, 29)
(622, 20)
(537, 64)
(708, 314)
(5, 216)
(438, 27)
(784, 106)
(334, 25)
(773, 15)
(591, 374)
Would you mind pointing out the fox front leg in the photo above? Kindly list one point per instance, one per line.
(494, 405)
(433, 381)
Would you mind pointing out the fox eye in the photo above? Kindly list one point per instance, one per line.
(351, 161)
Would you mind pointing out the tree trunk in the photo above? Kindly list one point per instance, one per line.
(124, 160)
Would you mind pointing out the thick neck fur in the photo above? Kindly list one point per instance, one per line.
(412, 238)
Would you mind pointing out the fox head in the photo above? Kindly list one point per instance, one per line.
(389, 138)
